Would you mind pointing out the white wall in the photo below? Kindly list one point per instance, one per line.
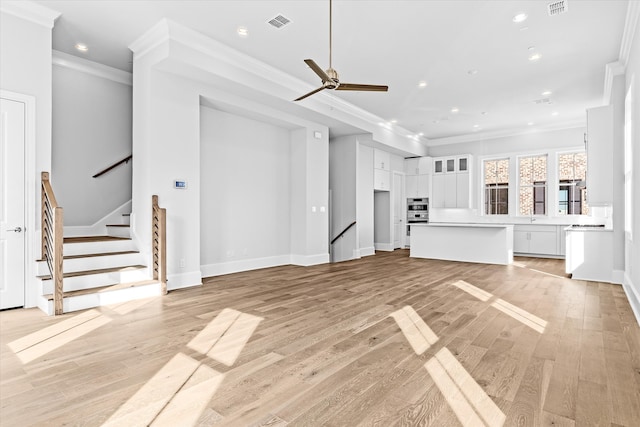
(632, 246)
(365, 206)
(25, 68)
(245, 169)
(342, 184)
(91, 131)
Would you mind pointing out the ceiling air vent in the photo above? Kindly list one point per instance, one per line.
(279, 21)
(557, 7)
(542, 101)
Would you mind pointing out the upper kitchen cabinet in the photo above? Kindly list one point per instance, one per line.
(600, 156)
(381, 170)
(417, 177)
(451, 183)
(381, 160)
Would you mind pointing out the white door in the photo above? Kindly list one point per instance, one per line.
(398, 212)
(12, 201)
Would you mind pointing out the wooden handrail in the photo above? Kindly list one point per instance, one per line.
(52, 227)
(115, 165)
(343, 231)
(159, 242)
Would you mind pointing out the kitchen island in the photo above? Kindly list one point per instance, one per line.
(482, 243)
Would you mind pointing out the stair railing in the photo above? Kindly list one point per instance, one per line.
(159, 242)
(51, 225)
(113, 166)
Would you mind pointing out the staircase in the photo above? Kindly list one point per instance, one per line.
(98, 270)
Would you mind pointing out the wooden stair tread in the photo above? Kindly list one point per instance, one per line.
(89, 272)
(99, 289)
(95, 255)
(118, 225)
(89, 239)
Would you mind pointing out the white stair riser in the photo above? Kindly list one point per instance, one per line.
(97, 280)
(83, 302)
(119, 231)
(98, 247)
(93, 263)
(126, 219)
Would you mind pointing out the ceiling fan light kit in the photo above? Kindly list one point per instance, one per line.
(330, 78)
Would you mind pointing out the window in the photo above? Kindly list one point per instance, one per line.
(532, 191)
(496, 187)
(572, 194)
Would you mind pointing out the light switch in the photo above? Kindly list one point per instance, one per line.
(313, 208)
(322, 209)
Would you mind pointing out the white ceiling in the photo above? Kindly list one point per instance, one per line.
(397, 43)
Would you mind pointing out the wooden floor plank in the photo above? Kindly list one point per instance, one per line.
(325, 351)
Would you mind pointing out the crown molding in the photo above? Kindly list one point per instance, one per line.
(63, 59)
(611, 70)
(152, 38)
(166, 32)
(459, 139)
(30, 11)
(631, 21)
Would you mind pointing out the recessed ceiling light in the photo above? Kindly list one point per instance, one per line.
(394, 121)
(454, 110)
(472, 72)
(530, 124)
(534, 57)
(521, 17)
(530, 48)
(484, 113)
(421, 134)
(82, 47)
(555, 113)
(436, 121)
(422, 83)
(476, 126)
(546, 93)
(243, 31)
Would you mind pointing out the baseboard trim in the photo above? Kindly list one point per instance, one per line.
(309, 260)
(633, 296)
(184, 280)
(617, 277)
(218, 269)
(371, 250)
(387, 247)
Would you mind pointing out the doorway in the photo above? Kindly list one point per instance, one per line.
(12, 203)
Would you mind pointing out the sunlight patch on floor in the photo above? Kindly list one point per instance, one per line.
(44, 341)
(419, 335)
(523, 316)
(179, 392)
(467, 399)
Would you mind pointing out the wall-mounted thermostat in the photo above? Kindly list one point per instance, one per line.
(179, 184)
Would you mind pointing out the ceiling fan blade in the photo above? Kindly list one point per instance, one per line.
(355, 86)
(319, 71)
(310, 93)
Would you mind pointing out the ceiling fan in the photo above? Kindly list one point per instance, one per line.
(330, 78)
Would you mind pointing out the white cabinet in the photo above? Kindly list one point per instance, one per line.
(381, 160)
(451, 182)
(417, 177)
(536, 239)
(589, 254)
(381, 170)
(600, 156)
(381, 180)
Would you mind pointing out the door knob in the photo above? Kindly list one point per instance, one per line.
(16, 230)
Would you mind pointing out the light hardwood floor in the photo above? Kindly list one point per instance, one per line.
(386, 340)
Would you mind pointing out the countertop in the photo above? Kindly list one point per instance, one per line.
(467, 225)
(588, 229)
